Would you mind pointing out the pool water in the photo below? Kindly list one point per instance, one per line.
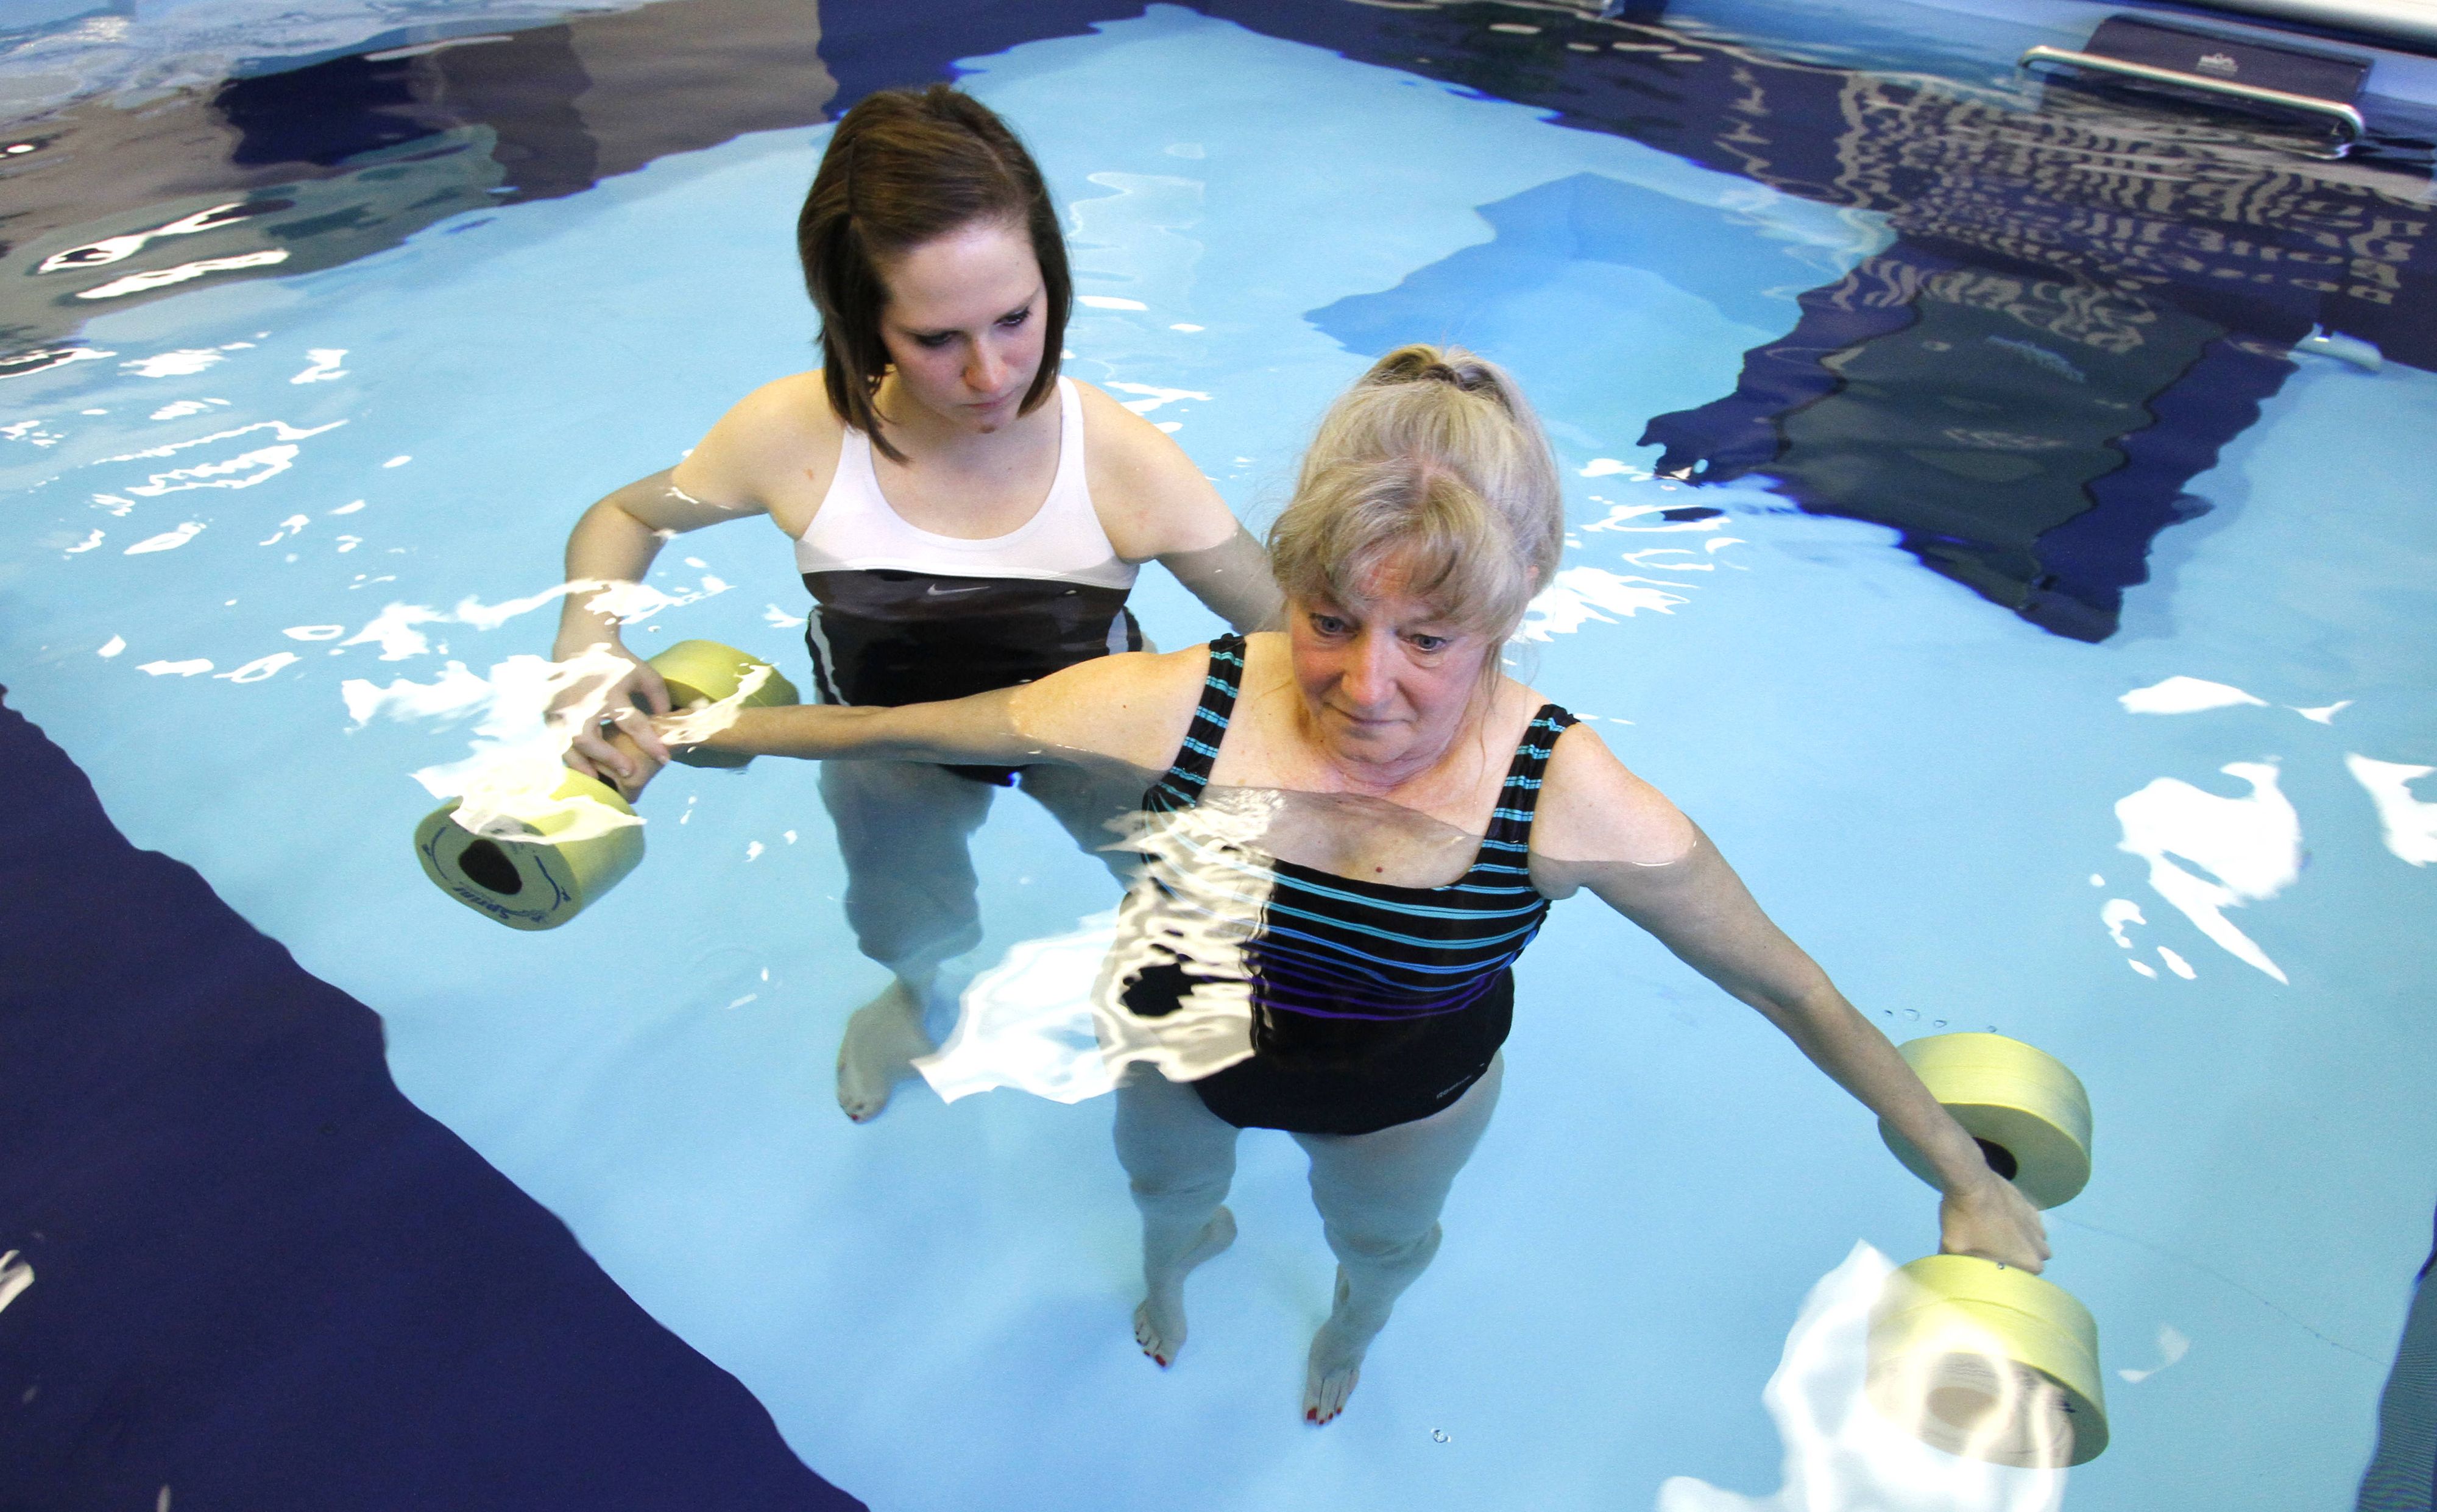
(282, 540)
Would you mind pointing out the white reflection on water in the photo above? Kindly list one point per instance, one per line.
(163, 277)
(1840, 1454)
(244, 470)
(2186, 695)
(259, 668)
(453, 694)
(1026, 1022)
(1581, 595)
(325, 368)
(185, 362)
(393, 631)
(2172, 1346)
(512, 702)
(120, 248)
(396, 631)
(2407, 825)
(15, 1276)
(180, 409)
(1578, 595)
(2250, 846)
(168, 540)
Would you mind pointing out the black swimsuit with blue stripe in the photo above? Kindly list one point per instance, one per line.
(1372, 1005)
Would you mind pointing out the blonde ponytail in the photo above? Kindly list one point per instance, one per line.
(1433, 462)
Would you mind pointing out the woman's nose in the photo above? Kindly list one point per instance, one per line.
(1368, 679)
(987, 373)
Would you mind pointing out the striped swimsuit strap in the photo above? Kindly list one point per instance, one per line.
(1183, 786)
(1507, 846)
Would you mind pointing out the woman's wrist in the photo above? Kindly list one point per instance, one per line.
(738, 737)
(732, 731)
(578, 634)
(1962, 1168)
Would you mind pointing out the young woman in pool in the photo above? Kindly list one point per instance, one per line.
(1361, 823)
(965, 518)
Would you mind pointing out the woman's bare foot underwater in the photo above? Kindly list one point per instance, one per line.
(1159, 1322)
(882, 1038)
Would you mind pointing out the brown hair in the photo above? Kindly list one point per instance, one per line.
(906, 167)
(1433, 461)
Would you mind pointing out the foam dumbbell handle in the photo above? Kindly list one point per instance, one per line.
(697, 672)
(2028, 1111)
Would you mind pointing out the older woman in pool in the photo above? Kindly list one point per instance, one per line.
(1411, 811)
(964, 517)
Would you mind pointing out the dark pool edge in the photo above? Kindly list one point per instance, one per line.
(260, 1276)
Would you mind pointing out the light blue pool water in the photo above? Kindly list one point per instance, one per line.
(335, 483)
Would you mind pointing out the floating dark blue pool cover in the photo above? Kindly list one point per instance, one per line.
(260, 1277)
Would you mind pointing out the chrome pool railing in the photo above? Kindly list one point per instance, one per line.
(2346, 119)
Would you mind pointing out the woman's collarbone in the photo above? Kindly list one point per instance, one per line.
(1454, 790)
(949, 497)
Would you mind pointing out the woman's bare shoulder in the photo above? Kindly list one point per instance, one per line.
(795, 409)
(776, 447)
(1594, 808)
(1107, 422)
(1152, 500)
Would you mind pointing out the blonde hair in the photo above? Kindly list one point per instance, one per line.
(1433, 464)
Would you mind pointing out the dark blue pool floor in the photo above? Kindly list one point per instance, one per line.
(263, 1280)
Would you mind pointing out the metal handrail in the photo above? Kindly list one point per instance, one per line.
(2346, 119)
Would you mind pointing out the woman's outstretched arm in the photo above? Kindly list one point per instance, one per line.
(1602, 827)
(1130, 709)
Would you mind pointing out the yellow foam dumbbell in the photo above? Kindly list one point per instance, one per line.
(1975, 1356)
(2028, 1111)
(551, 841)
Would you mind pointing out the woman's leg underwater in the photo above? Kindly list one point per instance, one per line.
(1094, 809)
(1180, 1157)
(902, 829)
(1379, 1197)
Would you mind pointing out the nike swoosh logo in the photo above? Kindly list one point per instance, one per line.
(936, 591)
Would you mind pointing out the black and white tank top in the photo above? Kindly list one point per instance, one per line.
(1371, 1004)
(903, 615)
